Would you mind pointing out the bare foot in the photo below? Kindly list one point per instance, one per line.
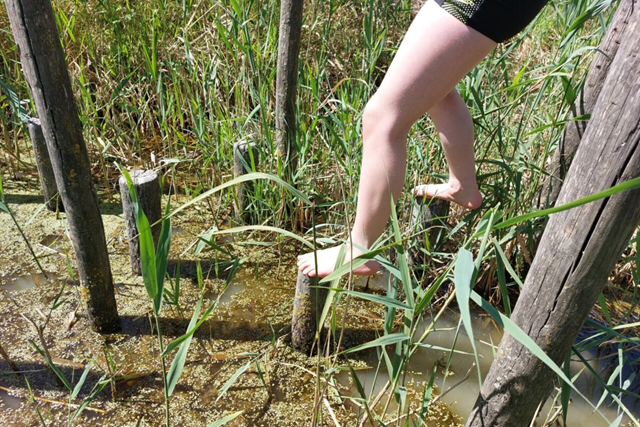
(468, 198)
(327, 263)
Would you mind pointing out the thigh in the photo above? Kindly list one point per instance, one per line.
(435, 54)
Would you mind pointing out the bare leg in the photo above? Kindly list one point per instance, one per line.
(437, 51)
(454, 123)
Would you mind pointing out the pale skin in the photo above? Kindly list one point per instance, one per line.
(436, 53)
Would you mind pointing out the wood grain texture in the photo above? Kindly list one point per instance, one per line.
(307, 307)
(45, 169)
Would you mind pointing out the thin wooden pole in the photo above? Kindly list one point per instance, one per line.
(43, 61)
(45, 170)
(287, 79)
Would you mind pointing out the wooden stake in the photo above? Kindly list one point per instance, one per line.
(287, 78)
(45, 170)
(428, 218)
(147, 187)
(245, 159)
(307, 308)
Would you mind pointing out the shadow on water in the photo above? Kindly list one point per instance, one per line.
(20, 199)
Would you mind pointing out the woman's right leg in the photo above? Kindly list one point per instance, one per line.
(436, 53)
(455, 126)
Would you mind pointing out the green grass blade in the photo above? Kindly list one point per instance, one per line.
(380, 299)
(233, 379)
(514, 330)
(175, 343)
(162, 259)
(81, 381)
(178, 362)
(506, 264)
(463, 275)
(333, 286)
(147, 251)
(262, 228)
(53, 367)
(244, 178)
(355, 263)
(402, 264)
(226, 419)
(627, 185)
(428, 391)
(97, 390)
(379, 342)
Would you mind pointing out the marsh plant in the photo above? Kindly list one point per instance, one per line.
(174, 84)
(154, 269)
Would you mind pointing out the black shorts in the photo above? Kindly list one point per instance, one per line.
(497, 19)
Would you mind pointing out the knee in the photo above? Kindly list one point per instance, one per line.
(382, 120)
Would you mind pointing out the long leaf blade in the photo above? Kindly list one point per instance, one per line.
(226, 419)
(379, 342)
(178, 363)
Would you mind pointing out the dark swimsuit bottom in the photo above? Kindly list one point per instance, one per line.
(499, 20)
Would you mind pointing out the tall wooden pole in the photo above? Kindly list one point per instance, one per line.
(287, 79)
(45, 69)
(578, 249)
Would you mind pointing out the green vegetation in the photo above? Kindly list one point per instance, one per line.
(171, 85)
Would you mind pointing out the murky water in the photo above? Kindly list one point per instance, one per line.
(249, 296)
(16, 283)
(462, 396)
(7, 401)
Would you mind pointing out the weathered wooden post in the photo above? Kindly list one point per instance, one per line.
(147, 187)
(307, 308)
(583, 107)
(428, 220)
(45, 170)
(45, 69)
(287, 79)
(245, 159)
(578, 249)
